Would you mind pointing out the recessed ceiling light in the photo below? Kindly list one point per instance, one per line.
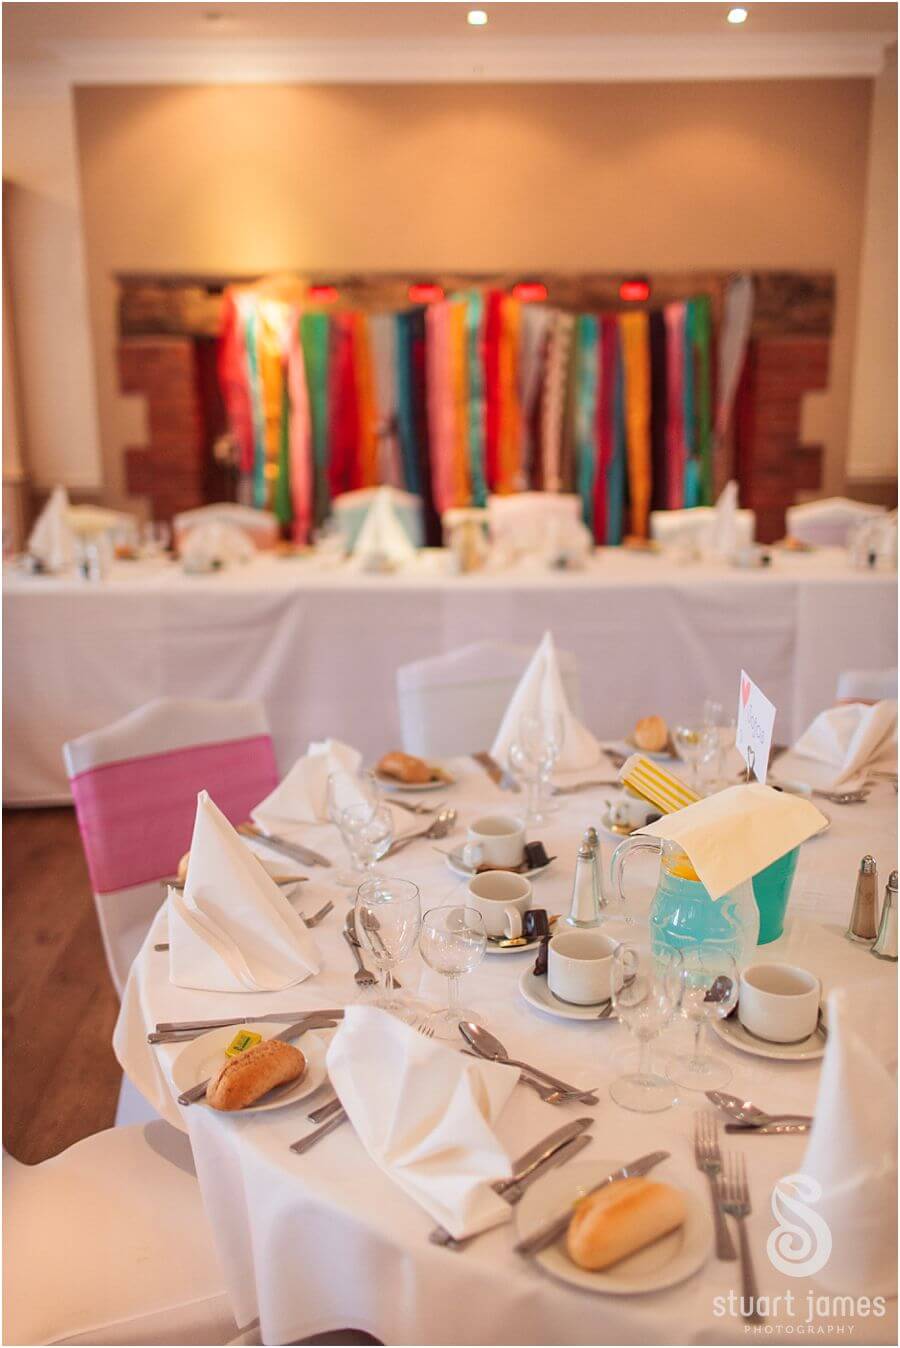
(737, 15)
(477, 18)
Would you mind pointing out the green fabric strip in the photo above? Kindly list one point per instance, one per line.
(691, 475)
(585, 383)
(702, 329)
(282, 503)
(406, 417)
(615, 508)
(474, 319)
(314, 338)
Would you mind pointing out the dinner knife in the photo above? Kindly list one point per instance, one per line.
(505, 780)
(296, 851)
(270, 1017)
(304, 1143)
(197, 1092)
(551, 1231)
(768, 1128)
(562, 1154)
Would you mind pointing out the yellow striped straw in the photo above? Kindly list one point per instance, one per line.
(648, 780)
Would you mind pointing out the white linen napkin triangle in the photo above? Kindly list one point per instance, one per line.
(541, 689)
(232, 929)
(851, 741)
(426, 1115)
(52, 539)
(382, 534)
(302, 796)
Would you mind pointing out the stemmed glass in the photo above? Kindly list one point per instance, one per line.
(452, 942)
(647, 989)
(533, 756)
(365, 823)
(722, 726)
(388, 919)
(710, 993)
(693, 742)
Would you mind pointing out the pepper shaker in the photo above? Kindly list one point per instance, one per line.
(885, 947)
(864, 917)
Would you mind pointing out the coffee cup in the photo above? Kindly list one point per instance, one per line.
(580, 967)
(779, 1002)
(630, 812)
(502, 899)
(495, 840)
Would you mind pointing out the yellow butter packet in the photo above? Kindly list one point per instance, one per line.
(243, 1040)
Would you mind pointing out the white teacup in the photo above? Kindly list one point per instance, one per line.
(501, 898)
(580, 966)
(779, 1002)
(630, 812)
(495, 840)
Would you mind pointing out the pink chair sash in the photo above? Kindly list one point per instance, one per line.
(136, 816)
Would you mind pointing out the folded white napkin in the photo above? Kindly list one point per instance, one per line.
(52, 539)
(852, 741)
(232, 929)
(737, 832)
(302, 797)
(721, 539)
(852, 1152)
(216, 544)
(382, 535)
(541, 689)
(425, 1115)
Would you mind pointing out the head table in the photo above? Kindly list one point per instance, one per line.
(324, 1240)
(320, 645)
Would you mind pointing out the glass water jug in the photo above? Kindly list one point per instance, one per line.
(682, 914)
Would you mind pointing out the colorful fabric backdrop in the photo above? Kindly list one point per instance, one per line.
(472, 394)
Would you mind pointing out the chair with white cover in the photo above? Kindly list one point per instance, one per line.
(261, 526)
(454, 703)
(829, 523)
(135, 786)
(520, 523)
(695, 526)
(867, 685)
(351, 507)
(108, 1243)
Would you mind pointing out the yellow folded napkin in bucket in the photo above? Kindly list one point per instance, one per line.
(737, 833)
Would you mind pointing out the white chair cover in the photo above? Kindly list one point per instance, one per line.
(259, 525)
(694, 527)
(351, 507)
(867, 685)
(454, 703)
(520, 523)
(91, 519)
(160, 727)
(108, 1243)
(828, 523)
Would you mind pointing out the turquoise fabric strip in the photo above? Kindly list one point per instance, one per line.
(691, 473)
(474, 319)
(703, 397)
(314, 338)
(586, 338)
(406, 420)
(615, 508)
(259, 416)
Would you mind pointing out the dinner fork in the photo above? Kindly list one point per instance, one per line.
(736, 1202)
(362, 975)
(709, 1160)
(350, 930)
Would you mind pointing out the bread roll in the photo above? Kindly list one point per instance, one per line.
(406, 768)
(244, 1080)
(651, 733)
(621, 1218)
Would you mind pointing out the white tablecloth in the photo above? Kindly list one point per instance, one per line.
(309, 1243)
(321, 648)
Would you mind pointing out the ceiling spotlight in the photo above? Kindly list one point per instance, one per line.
(737, 15)
(477, 18)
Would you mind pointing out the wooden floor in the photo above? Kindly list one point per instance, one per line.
(60, 1078)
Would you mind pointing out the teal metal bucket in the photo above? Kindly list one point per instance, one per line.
(772, 889)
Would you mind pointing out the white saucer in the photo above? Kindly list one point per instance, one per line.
(662, 1264)
(655, 755)
(493, 949)
(455, 861)
(202, 1058)
(536, 992)
(732, 1032)
(392, 784)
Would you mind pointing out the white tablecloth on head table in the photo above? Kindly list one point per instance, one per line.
(321, 648)
(310, 1243)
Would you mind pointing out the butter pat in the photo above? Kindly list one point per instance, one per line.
(736, 833)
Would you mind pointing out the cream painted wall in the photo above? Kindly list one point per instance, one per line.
(873, 421)
(668, 176)
(43, 248)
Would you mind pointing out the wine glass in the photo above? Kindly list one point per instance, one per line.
(388, 918)
(452, 942)
(646, 993)
(710, 992)
(722, 726)
(367, 832)
(533, 756)
(358, 794)
(693, 742)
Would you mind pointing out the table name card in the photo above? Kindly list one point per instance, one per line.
(755, 726)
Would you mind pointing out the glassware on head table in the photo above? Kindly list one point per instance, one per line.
(682, 913)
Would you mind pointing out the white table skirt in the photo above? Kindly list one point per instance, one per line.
(310, 1243)
(321, 648)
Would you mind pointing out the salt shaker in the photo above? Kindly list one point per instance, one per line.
(584, 910)
(592, 838)
(885, 947)
(864, 917)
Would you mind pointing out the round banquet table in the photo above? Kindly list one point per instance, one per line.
(320, 646)
(325, 1240)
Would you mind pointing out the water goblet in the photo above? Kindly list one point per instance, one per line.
(722, 725)
(710, 993)
(367, 832)
(388, 917)
(357, 791)
(693, 742)
(452, 942)
(647, 987)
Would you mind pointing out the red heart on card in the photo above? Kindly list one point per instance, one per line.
(745, 690)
